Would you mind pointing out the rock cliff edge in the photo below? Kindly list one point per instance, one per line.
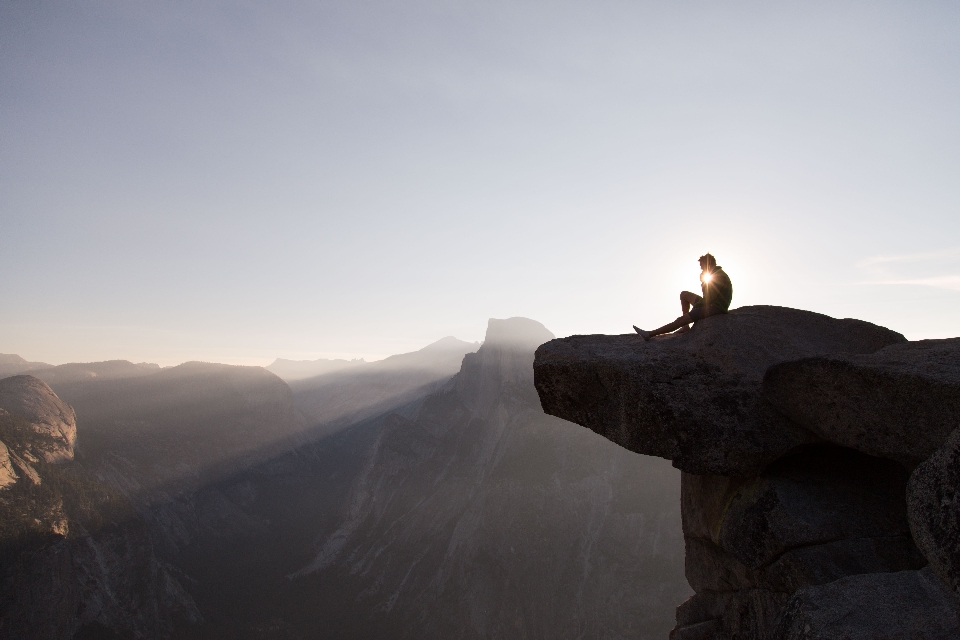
(819, 469)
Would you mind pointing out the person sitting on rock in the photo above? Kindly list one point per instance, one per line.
(717, 294)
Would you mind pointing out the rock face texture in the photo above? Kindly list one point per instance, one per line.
(900, 402)
(809, 519)
(877, 606)
(933, 497)
(8, 475)
(52, 422)
(797, 434)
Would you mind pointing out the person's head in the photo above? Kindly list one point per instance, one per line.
(707, 262)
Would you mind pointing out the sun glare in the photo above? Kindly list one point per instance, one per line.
(707, 277)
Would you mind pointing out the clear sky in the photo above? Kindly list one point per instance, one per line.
(241, 181)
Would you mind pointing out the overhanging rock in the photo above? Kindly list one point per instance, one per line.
(901, 402)
(695, 398)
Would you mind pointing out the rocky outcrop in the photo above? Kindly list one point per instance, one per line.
(7, 473)
(797, 434)
(72, 550)
(695, 398)
(52, 429)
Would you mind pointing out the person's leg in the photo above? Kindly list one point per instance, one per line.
(694, 315)
(682, 321)
(687, 300)
(667, 328)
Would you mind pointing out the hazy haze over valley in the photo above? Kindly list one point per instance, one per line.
(199, 502)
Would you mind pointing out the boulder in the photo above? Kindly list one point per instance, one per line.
(51, 425)
(905, 605)
(694, 398)
(900, 402)
(933, 502)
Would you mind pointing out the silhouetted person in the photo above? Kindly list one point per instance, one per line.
(717, 294)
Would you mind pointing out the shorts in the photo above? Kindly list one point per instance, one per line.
(701, 311)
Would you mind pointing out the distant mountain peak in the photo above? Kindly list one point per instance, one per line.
(517, 332)
(11, 364)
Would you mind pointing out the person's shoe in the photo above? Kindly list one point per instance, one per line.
(643, 334)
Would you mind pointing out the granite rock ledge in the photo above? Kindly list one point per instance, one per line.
(799, 437)
(695, 398)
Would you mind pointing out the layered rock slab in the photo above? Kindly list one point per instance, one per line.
(900, 402)
(695, 398)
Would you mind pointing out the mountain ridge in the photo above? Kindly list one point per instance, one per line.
(356, 393)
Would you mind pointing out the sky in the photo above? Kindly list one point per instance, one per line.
(237, 182)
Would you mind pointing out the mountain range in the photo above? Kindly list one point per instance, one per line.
(208, 501)
(354, 393)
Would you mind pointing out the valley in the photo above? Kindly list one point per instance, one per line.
(211, 501)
